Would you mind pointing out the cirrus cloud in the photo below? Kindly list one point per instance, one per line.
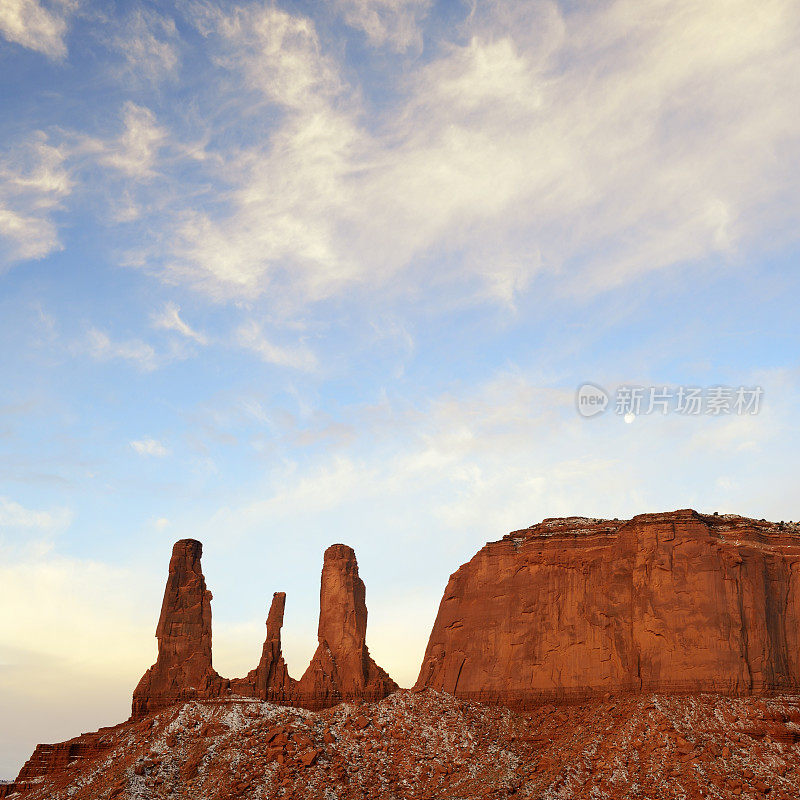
(37, 26)
(590, 145)
(150, 447)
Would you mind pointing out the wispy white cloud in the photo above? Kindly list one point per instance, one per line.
(25, 236)
(280, 54)
(37, 176)
(27, 532)
(101, 347)
(150, 447)
(135, 151)
(34, 180)
(277, 230)
(148, 43)
(392, 23)
(594, 145)
(37, 26)
(169, 318)
(251, 336)
(15, 515)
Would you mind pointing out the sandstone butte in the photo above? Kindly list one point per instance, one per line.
(673, 602)
(341, 668)
(556, 622)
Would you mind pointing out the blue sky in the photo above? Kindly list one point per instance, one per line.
(276, 275)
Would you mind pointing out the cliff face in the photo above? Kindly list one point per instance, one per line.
(662, 602)
(341, 668)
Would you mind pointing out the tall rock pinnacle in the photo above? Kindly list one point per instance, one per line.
(183, 669)
(270, 680)
(341, 668)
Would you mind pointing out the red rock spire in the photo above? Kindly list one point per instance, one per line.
(183, 669)
(341, 668)
(270, 680)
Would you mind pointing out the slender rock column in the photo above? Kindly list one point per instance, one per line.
(183, 670)
(341, 668)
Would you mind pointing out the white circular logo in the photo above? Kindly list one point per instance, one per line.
(591, 400)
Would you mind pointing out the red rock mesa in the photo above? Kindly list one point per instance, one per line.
(341, 668)
(663, 602)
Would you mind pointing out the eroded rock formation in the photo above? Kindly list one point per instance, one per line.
(663, 602)
(183, 669)
(341, 668)
(569, 607)
(270, 680)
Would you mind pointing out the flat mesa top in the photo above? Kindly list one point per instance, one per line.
(593, 526)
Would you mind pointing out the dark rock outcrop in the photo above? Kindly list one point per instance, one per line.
(663, 602)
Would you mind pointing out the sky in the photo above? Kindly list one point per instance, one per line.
(283, 274)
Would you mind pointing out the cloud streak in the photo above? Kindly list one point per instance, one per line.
(387, 23)
(101, 347)
(135, 151)
(34, 182)
(148, 43)
(170, 319)
(32, 25)
(16, 516)
(150, 447)
(593, 147)
(250, 336)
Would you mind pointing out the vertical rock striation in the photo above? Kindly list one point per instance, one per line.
(663, 602)
(183, 669)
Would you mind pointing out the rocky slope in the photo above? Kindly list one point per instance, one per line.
(663, 602)
(341, 668)
(431, 745)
